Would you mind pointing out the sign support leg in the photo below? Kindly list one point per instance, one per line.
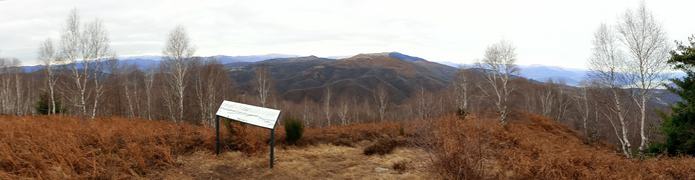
(217, 136)
(272, 147)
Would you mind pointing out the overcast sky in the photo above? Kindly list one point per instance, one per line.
(551, 32)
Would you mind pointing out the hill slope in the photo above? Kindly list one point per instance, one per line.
(297, 78)
(530, 147)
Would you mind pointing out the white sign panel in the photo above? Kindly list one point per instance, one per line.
(254, 115)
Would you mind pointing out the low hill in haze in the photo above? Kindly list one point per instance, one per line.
(149, 61)
(541, 73)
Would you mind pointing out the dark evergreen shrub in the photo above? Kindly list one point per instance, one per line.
(293, 129)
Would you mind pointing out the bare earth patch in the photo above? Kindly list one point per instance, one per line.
(311, 162)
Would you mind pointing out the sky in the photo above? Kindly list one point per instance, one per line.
(554, 33)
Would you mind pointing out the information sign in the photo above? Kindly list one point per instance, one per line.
(254, 115)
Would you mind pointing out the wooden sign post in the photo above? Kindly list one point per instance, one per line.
(254, 115)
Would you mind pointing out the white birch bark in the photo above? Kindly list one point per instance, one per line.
(149, 81)
(327, 105)
(47, 58)
(604, 66)
(647, 49)
(497, 68)
(177, 58)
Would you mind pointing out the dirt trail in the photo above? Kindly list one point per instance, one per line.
(312, 162)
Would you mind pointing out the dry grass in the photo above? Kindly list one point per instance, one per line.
(53, 147)
(383, 146)
(312, 162)
(549, 150)
(355, 133)
(458, 148)
(531, 147)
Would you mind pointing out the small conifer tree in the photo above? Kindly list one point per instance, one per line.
(43, 105)
(294, 129)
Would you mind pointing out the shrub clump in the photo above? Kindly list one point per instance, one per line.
(293, 129)
(401, 166)
(343, 142)
(382, 147)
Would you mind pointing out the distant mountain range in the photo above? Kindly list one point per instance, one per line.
(536, 72)
(541, 73)
(299, 77)
(149, 61)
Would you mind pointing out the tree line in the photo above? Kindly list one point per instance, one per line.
(81, 76)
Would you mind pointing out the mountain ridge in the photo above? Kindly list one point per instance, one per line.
(297, 78)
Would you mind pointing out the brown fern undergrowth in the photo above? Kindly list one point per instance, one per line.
(477, 147)
(532, 147)
(54, 147)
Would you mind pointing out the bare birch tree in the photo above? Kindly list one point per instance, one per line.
(423, 102)
(129, 83)
(581, 100)
(149, 81)
(545, 95)
(306, 111)
(138, 77)
(18, 101)
(5, 87)
(498, 66)
(98, 55)
(355, 104)
(71, 48)
(462, 87)
(86, 53)
(263, 83)
(530, 100)
(647, 53)
(604, 72)
(327, 105)
(381, 99)
(11, 92)
(563, 100)
(177, 59)
(211, 84)
(344, 107)
(47, 58)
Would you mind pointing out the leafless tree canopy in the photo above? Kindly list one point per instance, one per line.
(176, 66)
(212, 85)
(647, 52)
(86, 53)
(70, 48)
(630, 55)
(498, 66)
(47, 57)
(12, 87)
(462, 83)
(381, 98)
(344, 108)
(263, 84)
(327, 105)
(605, 73)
